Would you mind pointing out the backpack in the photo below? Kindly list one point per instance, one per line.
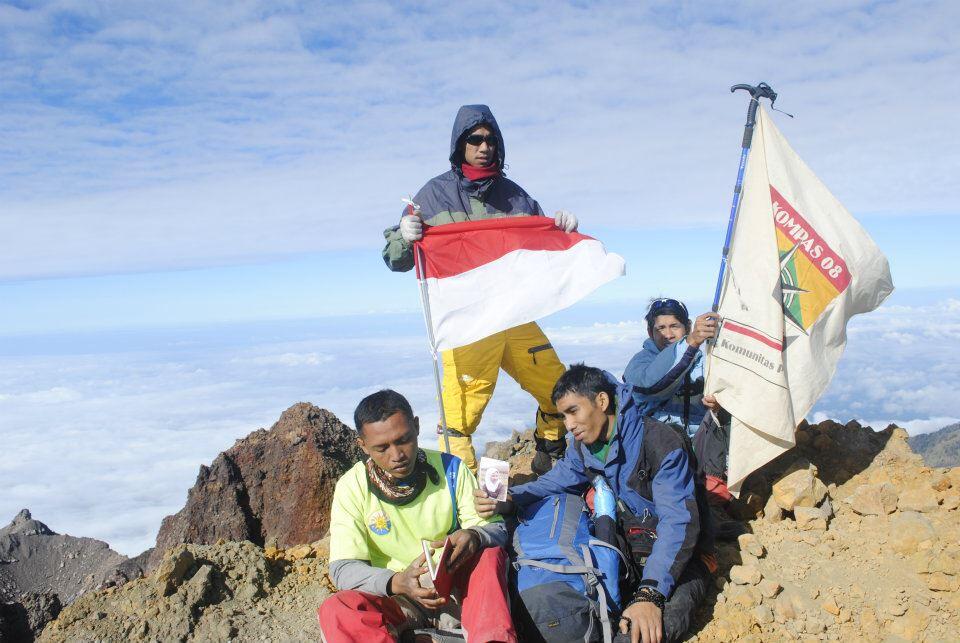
(638, 533)
(712, 445)
(557, 575)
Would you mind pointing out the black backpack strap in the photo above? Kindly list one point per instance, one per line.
(705, 541)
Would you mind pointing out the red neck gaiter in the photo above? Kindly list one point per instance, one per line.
(479, 173)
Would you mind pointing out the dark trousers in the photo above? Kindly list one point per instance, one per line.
(689, 592)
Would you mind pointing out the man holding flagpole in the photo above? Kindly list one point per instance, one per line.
(476, 188)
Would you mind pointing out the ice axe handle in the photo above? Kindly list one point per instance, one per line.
(757, 92)
(762, 90)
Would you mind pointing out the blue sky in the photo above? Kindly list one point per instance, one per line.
(192, 195)
(144, 137)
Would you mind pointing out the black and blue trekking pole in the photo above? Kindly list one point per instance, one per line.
(762, 90)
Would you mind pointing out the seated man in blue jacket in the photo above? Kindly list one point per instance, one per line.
(649, 468)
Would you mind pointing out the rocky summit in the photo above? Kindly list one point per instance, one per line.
(226, 591)
(40, 571)
(850, 536)
(274, 485)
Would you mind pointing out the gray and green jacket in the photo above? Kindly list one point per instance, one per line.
(452, 198)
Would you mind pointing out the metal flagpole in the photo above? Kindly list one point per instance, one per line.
(762, 90)
(428, 320)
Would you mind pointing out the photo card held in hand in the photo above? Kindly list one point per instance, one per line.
(494, 477)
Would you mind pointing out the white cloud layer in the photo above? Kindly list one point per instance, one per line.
(901, 366)
(107, 436)
(148, 136)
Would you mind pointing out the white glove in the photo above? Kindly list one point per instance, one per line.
(566, 221)
(411, 228)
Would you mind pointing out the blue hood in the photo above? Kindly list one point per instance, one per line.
(467, 118)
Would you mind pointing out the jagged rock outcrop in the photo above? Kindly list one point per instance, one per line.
(271, 485)
(859, 564)
(22, 620)
(41, 570)
(229, 591)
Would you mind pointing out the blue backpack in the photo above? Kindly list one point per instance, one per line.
(566, 581)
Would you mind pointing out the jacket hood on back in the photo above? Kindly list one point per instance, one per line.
(467, 118)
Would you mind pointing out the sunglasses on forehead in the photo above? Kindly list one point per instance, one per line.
(476, 139)
(663, 302)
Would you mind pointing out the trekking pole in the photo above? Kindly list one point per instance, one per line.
(428, 320)
(762, 90)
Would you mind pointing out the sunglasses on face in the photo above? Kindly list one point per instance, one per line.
(476, 140)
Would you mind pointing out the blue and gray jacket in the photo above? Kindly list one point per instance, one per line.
(453, 198)
(660, 380)
(643, 458)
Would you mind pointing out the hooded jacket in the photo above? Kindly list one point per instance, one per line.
(452, 198)
(644, 456)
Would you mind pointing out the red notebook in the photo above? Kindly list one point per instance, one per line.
(439, 574)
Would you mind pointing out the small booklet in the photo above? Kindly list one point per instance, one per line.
(439, 574)
(494, 477)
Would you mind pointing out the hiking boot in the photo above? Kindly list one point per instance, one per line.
(438, 636)
(730, 530)
(547, 454)
(725, 526)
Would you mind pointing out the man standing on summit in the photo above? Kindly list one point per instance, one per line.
(476, 188)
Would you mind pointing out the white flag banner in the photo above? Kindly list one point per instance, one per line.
(799, 267)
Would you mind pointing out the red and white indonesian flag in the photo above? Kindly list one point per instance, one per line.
(486, 276)
(799, 267)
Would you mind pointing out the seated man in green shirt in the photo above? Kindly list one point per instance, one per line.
(382, 511)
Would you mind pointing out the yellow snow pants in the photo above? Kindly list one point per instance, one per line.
(470, 375)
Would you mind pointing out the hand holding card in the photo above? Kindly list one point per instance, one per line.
(494, 476)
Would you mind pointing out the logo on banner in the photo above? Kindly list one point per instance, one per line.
(812, 274)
